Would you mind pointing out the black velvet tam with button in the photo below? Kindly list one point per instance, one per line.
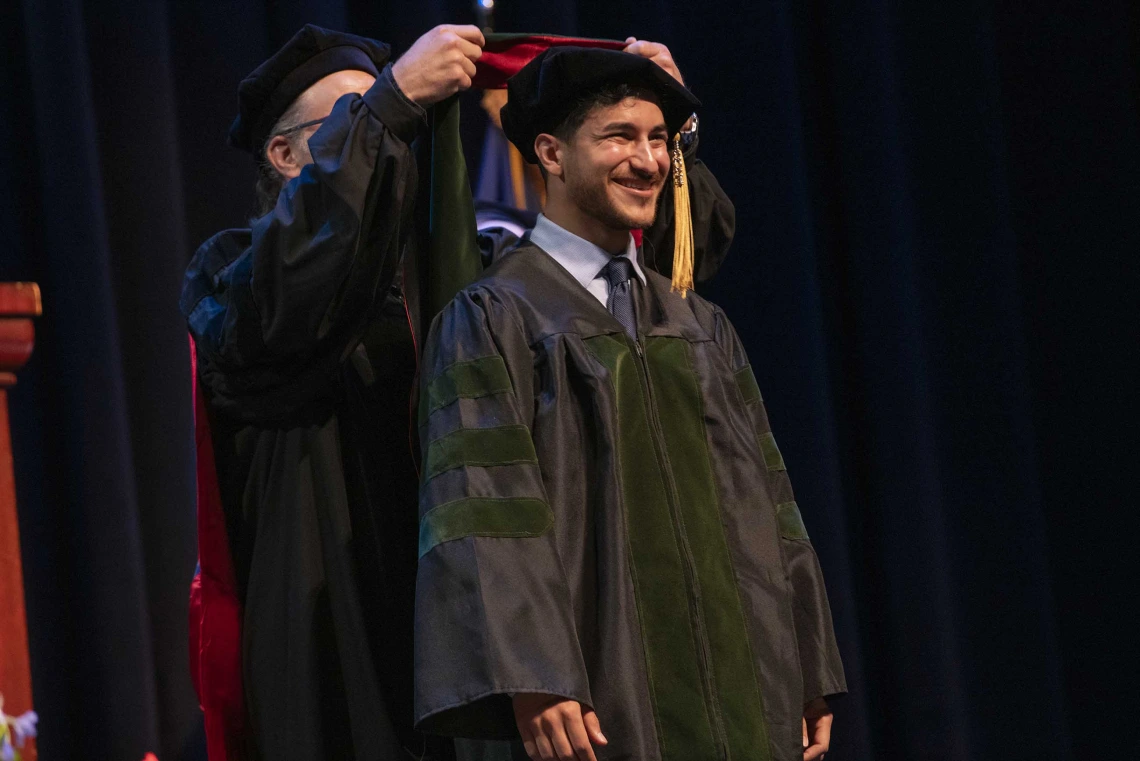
(312, 54)
(546, 90)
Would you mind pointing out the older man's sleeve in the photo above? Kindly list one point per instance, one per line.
(296, 291)
(493, 608)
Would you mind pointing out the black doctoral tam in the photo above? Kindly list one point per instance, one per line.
(546, 90)
(311, 55)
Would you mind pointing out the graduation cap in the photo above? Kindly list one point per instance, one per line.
(311, 55)
(544, 91)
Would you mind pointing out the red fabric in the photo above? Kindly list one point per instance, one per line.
(503, 56)
(215, 611)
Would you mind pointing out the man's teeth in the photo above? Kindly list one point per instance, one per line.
(636, 184)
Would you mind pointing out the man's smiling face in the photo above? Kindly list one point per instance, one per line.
(617, 161)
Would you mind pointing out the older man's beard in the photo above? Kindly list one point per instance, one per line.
(594, 201)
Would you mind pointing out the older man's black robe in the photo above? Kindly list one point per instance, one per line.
(610, 520)
(304, 333)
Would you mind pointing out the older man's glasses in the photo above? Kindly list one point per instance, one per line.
(299, 127)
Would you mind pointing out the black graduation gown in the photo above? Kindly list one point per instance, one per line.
(307, 359)
(611, 522)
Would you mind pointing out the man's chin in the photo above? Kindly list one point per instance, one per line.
(623, 221)
(614, 209)
(634, 217)
(642, 221)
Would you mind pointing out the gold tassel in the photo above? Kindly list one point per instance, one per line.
(682, 224)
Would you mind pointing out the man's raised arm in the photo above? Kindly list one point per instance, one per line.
(297, 288)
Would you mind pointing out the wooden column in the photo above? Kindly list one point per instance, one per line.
(19, 304)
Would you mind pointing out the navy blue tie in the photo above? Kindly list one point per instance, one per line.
(619, 274)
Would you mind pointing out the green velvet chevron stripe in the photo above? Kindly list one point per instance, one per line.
(790, 520)
(681, 414)
(746, 381)
(772, 457)
(473, 379)
(481, 447)
(680, 710)
(475, 516)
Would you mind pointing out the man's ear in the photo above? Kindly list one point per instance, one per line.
(548, 148)
(281, 155)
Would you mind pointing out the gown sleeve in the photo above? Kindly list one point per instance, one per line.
(493, 607)
(295, 291)
(820, 664)
(714, 223)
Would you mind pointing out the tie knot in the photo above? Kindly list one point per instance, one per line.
(618, 271)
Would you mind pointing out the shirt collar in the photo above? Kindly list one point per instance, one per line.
(578, 256)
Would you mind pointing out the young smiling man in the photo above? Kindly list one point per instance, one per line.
(608, 537)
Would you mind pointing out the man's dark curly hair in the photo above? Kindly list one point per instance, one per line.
(608, 95)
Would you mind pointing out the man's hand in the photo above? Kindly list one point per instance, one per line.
(556, 728)
(661, 56)
(655, 52)
(439, 64)
(817, 729)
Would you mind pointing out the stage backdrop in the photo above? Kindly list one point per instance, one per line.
(934, 274)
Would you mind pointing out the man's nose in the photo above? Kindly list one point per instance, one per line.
(642, 158)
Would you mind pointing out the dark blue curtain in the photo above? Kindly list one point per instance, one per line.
(935, 275)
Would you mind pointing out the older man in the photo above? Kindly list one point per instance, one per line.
(306, 356)
(611, 553)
